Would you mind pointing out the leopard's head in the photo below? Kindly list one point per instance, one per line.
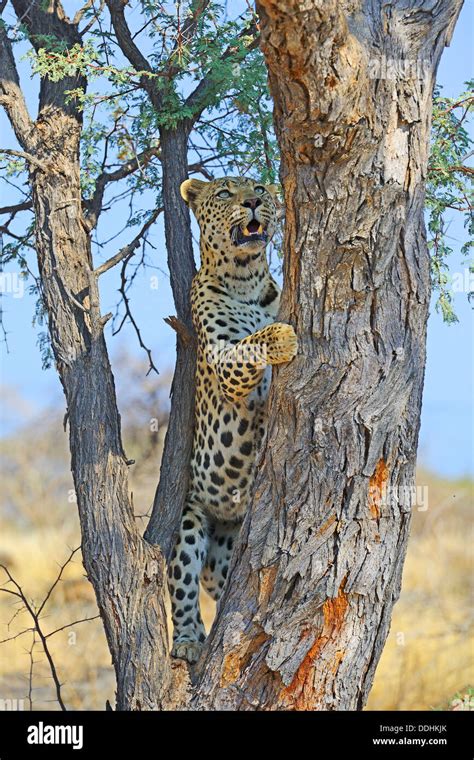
(236, 215)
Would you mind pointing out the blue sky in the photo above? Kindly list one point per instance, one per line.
(446, 440)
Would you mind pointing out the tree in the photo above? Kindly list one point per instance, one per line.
(115, 555)
(322, 550)
(306, 612)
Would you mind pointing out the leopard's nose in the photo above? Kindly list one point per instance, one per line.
(252, 203)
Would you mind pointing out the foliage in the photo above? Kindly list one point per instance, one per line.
(187, 44)
(449, 188)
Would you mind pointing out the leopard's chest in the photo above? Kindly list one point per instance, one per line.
(227, 433)
(226, 437)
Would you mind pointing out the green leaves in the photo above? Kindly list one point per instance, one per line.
(55, 61)
(449, 188)
(199, 49)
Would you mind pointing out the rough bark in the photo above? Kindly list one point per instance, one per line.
(173, 483)
(308, 603)
(127, 573)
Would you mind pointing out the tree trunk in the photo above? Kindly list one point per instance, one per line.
(309, 599)
(127, 573)
(173, 483)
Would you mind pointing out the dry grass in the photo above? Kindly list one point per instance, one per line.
(428, 656)
(429, 652)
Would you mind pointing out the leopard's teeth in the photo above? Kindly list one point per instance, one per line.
(247, 232)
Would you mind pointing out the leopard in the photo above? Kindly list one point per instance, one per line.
(234, 304)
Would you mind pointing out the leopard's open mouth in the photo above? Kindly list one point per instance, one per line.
(253, 232)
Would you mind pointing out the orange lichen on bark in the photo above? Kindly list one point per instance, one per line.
(326, 525)
(266, 581)
(377, 486)
(238, 658)
(300, 694)
(337, 661)
(334, 610)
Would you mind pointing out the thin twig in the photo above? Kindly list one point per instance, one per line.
(26, 156)
(128, 315)
(70, 625)
(58, 578)
(94, 205)
(16, 635)
(35, 616)
(128, 250)
(30, 673)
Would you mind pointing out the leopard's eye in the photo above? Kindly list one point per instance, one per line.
(224, 194)
(259, 189)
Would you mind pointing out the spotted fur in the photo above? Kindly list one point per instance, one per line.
(234, 302)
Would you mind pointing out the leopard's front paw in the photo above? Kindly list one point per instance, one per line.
(281, 342)
(187, 650)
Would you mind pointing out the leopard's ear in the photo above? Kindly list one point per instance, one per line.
(273, 190)
(190, 190)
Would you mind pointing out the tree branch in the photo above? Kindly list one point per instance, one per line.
(185, 35)
(210, 83)
(128, 315)
(455, 168)
(12, 210)
(58, 578)
(198, 98)
(40, 22)
(94, 205)
(96, 17)
(30, 672)
(70, 625)
(131, 51)
(181, 330)
(15, 636)
(80, 13)
(128, 250)
(37, 627)
(26, 156)
(11, 95)
(44, 21)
